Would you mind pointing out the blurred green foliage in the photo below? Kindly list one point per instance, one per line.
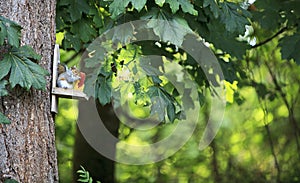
(65, 123)
(242, 150)
(259, 137)
(65, 131)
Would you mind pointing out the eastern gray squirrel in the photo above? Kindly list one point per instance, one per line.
(67, 77)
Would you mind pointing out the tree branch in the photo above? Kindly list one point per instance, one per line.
(273, 152)
(292, 118)
(282, 30)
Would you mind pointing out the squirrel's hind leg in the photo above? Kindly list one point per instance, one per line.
(64, 84)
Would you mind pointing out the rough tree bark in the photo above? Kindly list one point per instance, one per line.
(27, 147)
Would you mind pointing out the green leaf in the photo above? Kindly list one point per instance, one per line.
(268, 19)
(234, 17)
(71, 41)
(29, 52)
(159, 104)
(213, 5)
(77, 7)
(90, 84)
(226, 41)
(138, 90)
(134, 69)
(98, 21)
(5, 66)
(84, 29)
(25, 72)
(118, 7)
(84, 176)
(268, 16)
(290, 47)
(11, 31)
(4, 120)
(123, 33)
(104, 93)
(152, 67)
(162, 103)
(201, 98)
(171, 111)
(3, 91)
(61, 17)
(129, 54)
(138, 4)
(160, 2)
(188, 101)
(63, 2)
(156, 80)
(174, 5)
(230, 70)
(80, 172)
(96, 54)
(158, 108)
(13, 35)
(167, 28)
(10, 181)
(3, 33)
(98, 18)
(187, 7)
(261, 90)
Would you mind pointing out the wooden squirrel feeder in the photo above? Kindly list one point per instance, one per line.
(57, 92)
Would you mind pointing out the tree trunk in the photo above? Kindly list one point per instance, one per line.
(27, 146)
(100, 167)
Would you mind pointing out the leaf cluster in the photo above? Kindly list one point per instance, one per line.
(110, 80)
(17, 63)
(81, 21)
(280, 18)
(219, 23)
(81, 25)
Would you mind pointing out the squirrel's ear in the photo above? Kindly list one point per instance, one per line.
(62, 68)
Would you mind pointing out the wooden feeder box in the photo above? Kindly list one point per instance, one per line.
(61, 92)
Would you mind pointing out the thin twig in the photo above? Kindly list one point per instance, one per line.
(214, 162)
(282, 30)
(266, 125)
(273, 152)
